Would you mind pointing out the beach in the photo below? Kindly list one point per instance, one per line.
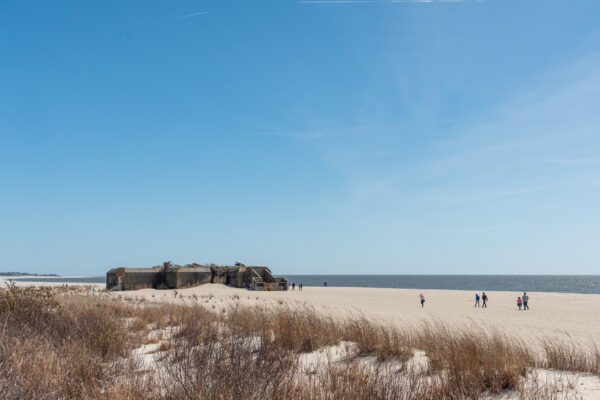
(568, 315)
(497, 339)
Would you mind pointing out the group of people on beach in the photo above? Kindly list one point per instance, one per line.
(521, 301)
(480, 301)
(483, 297)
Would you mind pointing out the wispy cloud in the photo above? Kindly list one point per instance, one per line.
(296, 135)
(544, 138)
(325, 133)
(336, 1)
(196, 14)
(570, 160)
(379, 1)
(498, 161)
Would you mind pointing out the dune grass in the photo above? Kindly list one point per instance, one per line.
(65, 346)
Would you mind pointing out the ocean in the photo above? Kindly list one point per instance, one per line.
(510, 283)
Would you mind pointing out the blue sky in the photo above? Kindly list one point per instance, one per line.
(310, 136)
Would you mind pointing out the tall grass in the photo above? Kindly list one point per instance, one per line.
(474, 361)
(566, 355)
(48, 351)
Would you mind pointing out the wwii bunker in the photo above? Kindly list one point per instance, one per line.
(169, 276)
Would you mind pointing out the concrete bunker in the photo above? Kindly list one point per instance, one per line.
(169, 276)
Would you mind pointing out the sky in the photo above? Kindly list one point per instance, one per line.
(314, 137)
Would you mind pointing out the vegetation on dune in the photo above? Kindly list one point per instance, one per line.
(57, 344)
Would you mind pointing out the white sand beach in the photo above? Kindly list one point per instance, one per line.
(577, 315)
(569, 315)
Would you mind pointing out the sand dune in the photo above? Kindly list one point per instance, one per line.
(567, 316)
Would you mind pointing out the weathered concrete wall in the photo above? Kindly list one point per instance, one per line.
(192, 276)
(236, 276)
(171, 278)
(282, 283)
(264, 273)
(219, 275)
(141, 280)
(111, 279)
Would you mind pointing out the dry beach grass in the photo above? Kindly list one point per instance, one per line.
(59, 344)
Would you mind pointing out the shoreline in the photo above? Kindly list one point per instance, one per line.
(358, 288)
(568, 284)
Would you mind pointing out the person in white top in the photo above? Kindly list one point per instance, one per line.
(525, 301)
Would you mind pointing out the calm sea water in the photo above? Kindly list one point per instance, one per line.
(512, 283)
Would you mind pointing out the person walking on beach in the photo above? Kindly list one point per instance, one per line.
(525, 301)
(422, 300)
(476, 300)
(519, 303)
(300, 286)
(293, 286)
(484, 298)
